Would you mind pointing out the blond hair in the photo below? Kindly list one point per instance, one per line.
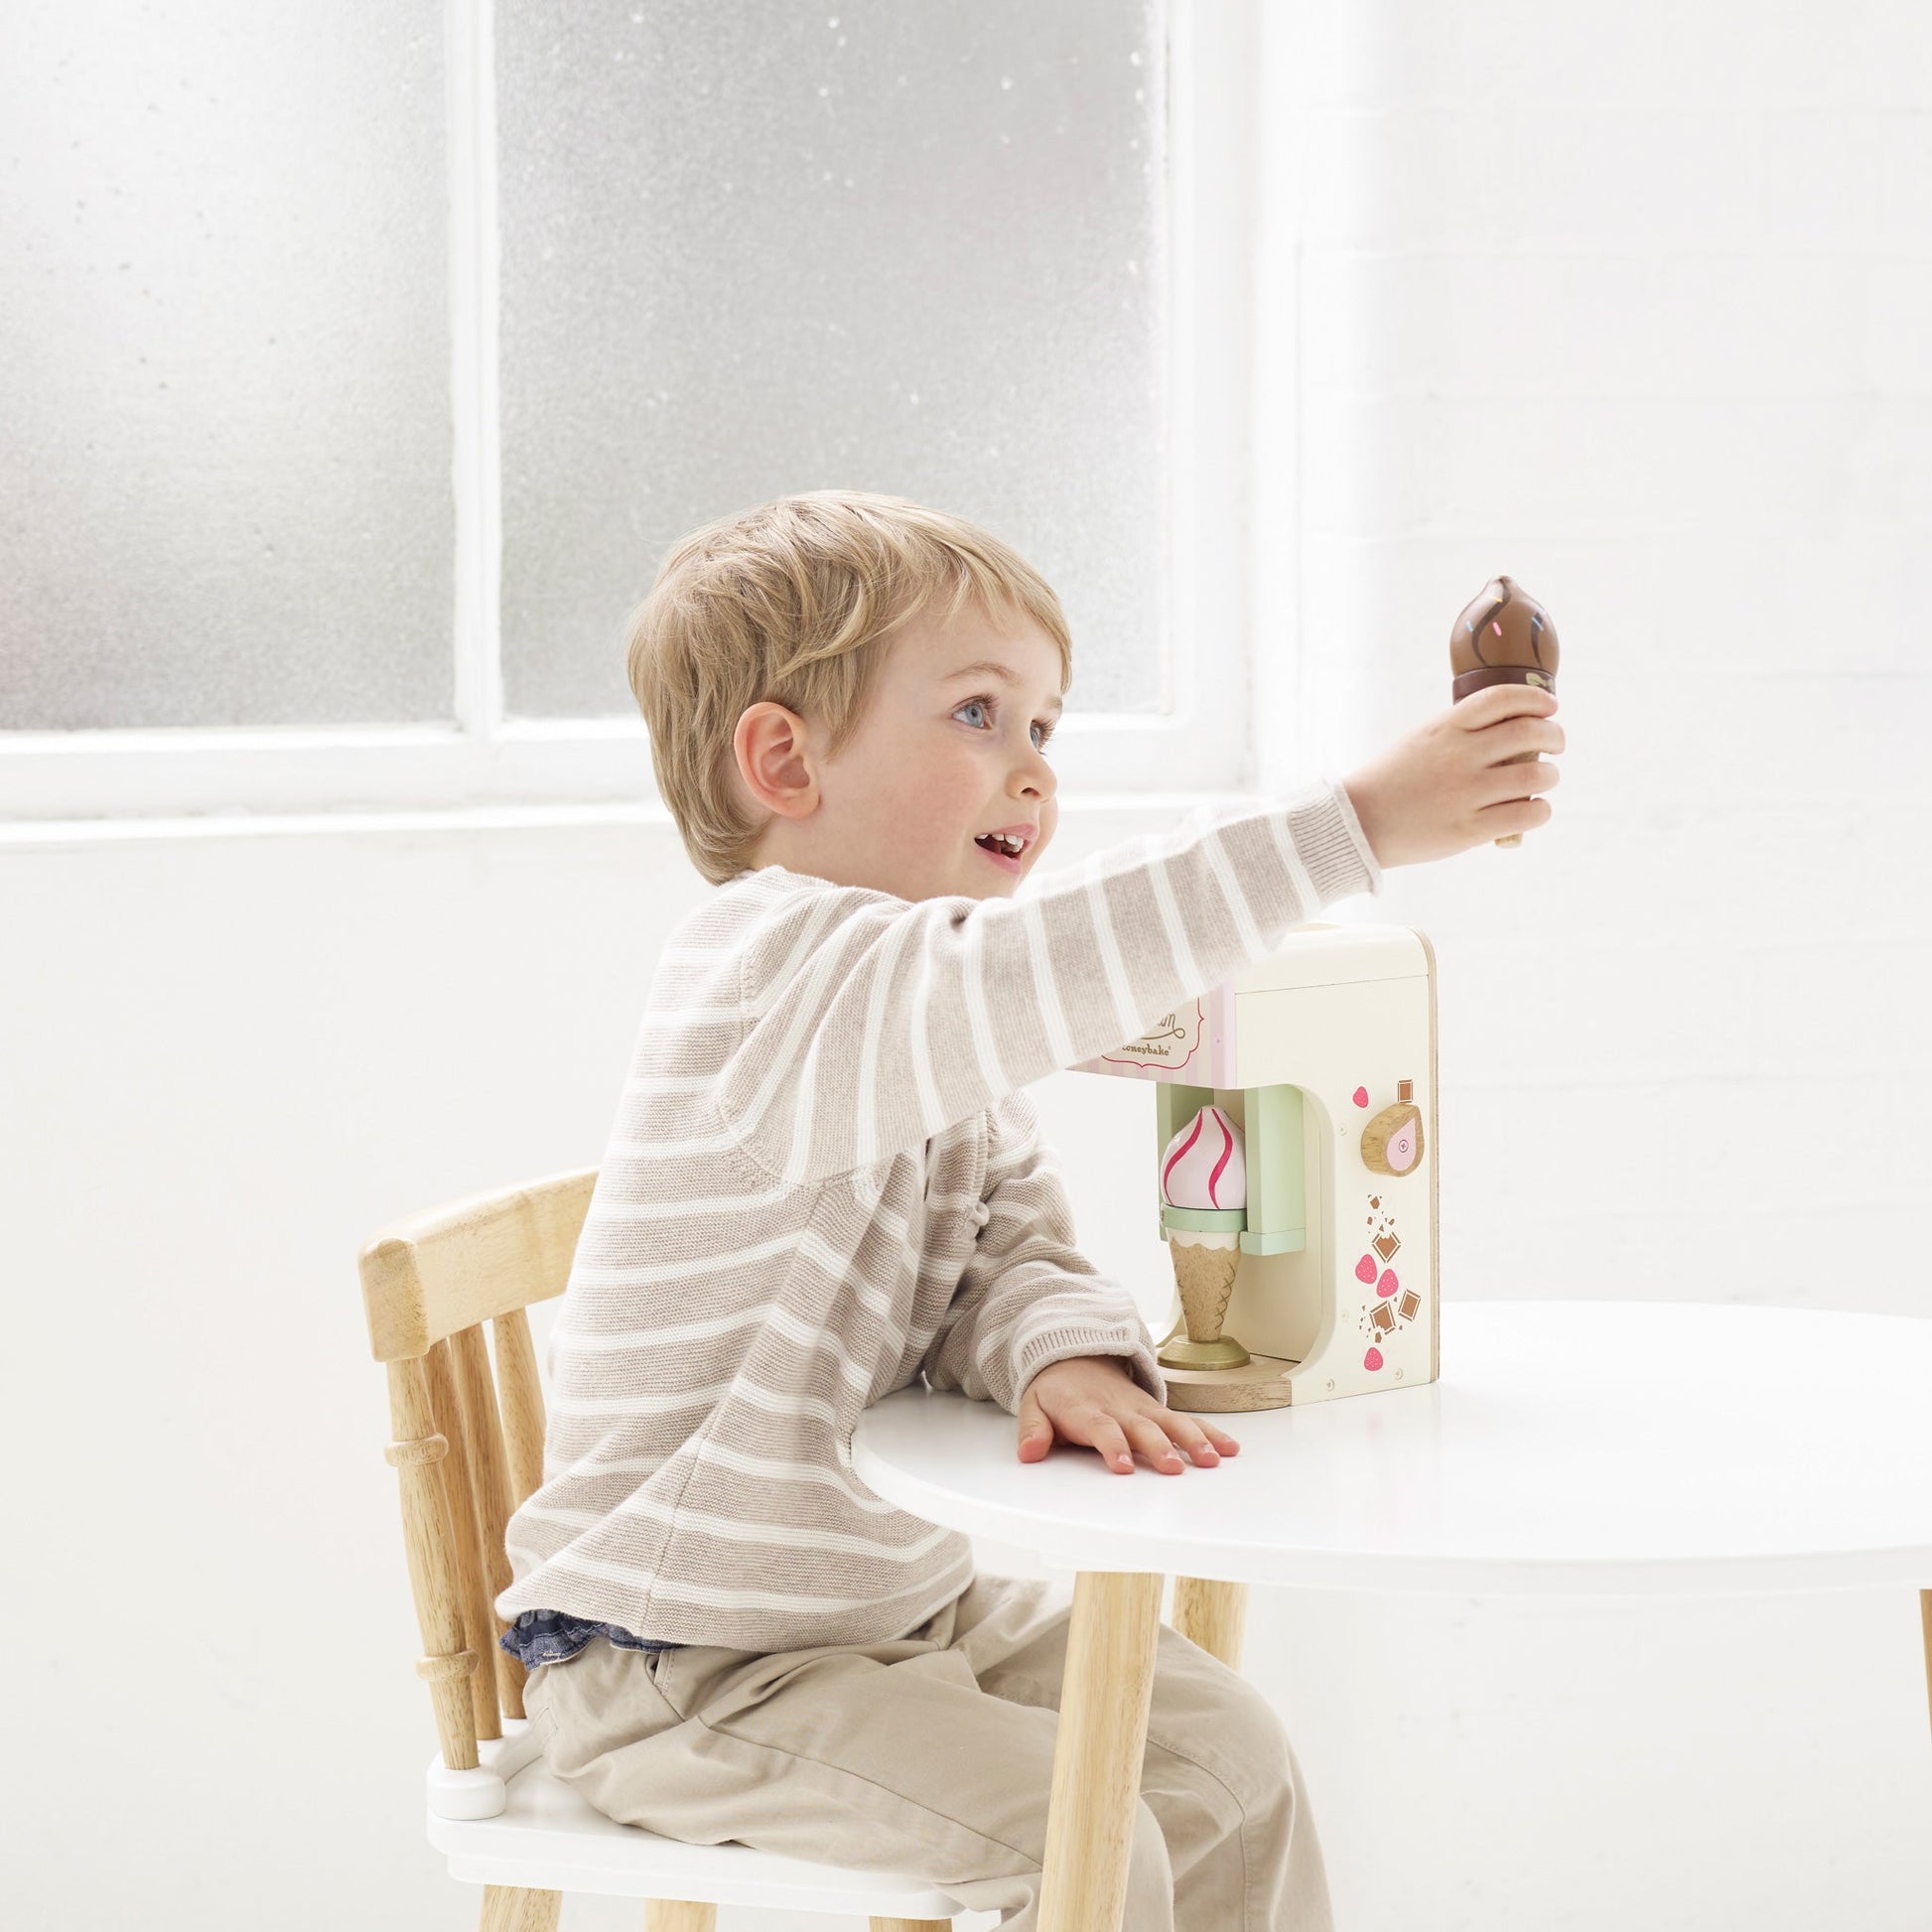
(795, 602)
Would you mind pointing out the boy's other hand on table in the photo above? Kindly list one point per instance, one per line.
(1094, 1399)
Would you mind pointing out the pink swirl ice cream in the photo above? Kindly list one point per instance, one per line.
(1203, 1166)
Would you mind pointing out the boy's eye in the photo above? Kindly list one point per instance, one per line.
(1045, 732)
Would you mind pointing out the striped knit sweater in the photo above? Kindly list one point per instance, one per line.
(824, 1179)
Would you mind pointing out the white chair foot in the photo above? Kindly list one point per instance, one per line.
(484, 1792)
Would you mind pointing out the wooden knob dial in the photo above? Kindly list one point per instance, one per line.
(1392, 1142)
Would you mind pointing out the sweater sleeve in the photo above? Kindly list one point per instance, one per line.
(1029, 1297)
(870, 1023)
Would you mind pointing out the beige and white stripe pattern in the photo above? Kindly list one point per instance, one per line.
(825, 1177)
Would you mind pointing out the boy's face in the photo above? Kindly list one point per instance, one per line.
(943, 756)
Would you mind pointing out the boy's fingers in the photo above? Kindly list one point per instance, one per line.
(1511, 784)
(1513, 736)
(1153, 1440)
(1514, 815)
(1160, 1435)
(1495, 702)
(1191, 1430)
(1109, 1439)
(1195, 1440)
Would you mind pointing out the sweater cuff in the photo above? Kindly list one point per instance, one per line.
(1332, 843)
(1067, 1340)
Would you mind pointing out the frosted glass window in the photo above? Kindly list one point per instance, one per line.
(224, 365)
(751, 248)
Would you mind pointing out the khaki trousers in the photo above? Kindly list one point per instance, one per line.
(932, 1757)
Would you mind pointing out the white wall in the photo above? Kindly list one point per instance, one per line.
(1634, 303)
(1630, 302)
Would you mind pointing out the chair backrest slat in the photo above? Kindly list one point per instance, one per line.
(490, 1486)
(479, 1632)
(429, 1283)
(520, 1392)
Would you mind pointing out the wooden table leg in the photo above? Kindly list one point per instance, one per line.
(1097, 1753)
(1212, 1615)
(1925, 1617)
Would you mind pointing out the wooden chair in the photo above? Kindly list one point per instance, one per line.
(467, 1454)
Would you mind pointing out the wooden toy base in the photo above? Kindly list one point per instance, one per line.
(1261, 1382)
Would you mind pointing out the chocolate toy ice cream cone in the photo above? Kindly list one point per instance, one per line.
(1504, 636)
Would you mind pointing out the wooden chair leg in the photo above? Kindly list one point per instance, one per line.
(508, 1908)
(1212, 1615)
(679, 1915)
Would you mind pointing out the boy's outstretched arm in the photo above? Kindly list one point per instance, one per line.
(867, 1024)
(870, 1023)
(1035, 1327)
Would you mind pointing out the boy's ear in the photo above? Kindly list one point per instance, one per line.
(775, 760)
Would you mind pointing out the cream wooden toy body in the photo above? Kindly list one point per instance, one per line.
(1324, 1057)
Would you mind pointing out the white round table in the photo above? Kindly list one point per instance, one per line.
(1569, 1448)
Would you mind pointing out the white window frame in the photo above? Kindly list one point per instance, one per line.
(521, 770)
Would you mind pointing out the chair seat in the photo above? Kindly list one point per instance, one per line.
(545, 1837)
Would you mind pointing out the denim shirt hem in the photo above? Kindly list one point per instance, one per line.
(553, 1637)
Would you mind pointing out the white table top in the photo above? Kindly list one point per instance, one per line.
(1570, 1447)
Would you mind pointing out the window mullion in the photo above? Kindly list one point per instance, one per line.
(476, 413)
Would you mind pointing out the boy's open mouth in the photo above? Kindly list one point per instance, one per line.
(1003, 850)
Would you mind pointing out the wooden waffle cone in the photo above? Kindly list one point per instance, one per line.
(1205, 1278)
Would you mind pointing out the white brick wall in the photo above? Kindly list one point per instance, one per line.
(1633, 302)
(1638, 305)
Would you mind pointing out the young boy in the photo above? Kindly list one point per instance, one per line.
(826, 1179)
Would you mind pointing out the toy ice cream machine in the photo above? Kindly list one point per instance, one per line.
(1293, 1172)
